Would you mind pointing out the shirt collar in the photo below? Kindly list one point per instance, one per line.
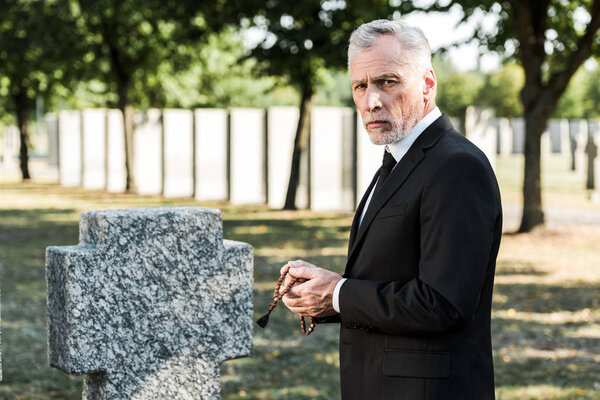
(400, 148)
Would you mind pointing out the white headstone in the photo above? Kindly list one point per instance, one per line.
(593, 161)
(147, 145)
(518, 129)
(558, 130)
(10, 145)
(70, 151)
(369, 157)
(211, 154)
(247, 156)
(505, 136)
(455, 121)
(282, 126)
(178, 153)
(481, 131)
(94, 148)
(51, 122)
(117, 175)
(578, 135)
(332, 139)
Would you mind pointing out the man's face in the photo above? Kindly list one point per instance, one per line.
(387, 89)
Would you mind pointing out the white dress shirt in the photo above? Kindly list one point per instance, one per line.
(398, 150)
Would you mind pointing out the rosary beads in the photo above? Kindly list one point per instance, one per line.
(277, 295)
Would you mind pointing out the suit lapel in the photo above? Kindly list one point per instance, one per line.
(397, 177)
(359, 210)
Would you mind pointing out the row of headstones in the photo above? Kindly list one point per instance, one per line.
(562, 136)
(240, 155)
(244, 155)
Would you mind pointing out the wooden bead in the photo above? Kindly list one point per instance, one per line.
(278, 295)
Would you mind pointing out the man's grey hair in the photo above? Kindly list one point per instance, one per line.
(412, 38)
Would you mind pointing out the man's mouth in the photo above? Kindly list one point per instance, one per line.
(376, 124)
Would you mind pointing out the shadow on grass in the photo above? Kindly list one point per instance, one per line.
(24, 235)
(543, 344)
(535, 298)
(517, 267)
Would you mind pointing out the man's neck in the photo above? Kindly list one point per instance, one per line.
(400, 148)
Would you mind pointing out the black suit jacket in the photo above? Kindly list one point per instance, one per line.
(416, 308)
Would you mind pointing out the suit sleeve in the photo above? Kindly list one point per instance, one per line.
(459, 211)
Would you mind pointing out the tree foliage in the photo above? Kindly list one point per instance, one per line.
(500, 91)
(551, 39)
(31, 64)
(135, 41)
(456, 90)
(582, 96)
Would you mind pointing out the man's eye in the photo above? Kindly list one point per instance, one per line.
(389, 82)
(360, 86)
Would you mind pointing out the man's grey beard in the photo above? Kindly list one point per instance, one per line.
(398, 131)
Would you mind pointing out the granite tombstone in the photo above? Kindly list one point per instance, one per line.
(149, 304)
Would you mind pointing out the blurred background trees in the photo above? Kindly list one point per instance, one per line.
(41, 48)
(551, 39)
(133, 53)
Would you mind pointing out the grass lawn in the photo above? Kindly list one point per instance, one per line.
(546, 318)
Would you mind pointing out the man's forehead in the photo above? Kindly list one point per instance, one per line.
(361, 67)
(386, 55)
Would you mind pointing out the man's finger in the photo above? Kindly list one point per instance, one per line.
(303, 272)
(290, 263)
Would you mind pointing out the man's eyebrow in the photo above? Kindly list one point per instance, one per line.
(385, 76)
(377, 78)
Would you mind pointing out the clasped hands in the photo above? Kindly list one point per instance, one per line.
(312, 294)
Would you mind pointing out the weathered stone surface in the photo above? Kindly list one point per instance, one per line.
(150, 303)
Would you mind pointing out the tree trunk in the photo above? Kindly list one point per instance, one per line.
(126, 110)
(300, 141)
(533, 213)
(21, 115)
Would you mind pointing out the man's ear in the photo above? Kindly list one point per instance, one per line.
(429, 84)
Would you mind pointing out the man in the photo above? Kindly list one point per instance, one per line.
(415, 301)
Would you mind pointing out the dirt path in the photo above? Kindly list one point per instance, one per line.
(556, 217)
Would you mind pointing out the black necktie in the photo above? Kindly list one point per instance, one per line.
(386, 167)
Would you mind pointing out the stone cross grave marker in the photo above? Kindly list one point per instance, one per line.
(149, 304)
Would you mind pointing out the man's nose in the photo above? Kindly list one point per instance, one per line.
(373, 99)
